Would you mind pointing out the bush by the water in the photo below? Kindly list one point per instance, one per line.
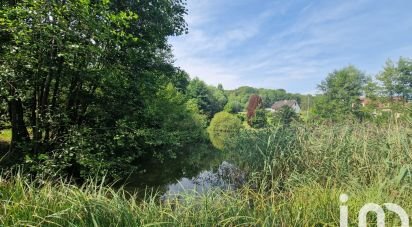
(223, 130)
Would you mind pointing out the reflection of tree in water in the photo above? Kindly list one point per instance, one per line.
(188, 164)
(199, 168)
(227, 176)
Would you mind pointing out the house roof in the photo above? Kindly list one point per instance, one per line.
(278, 105)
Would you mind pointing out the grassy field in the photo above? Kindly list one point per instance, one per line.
(369, 163)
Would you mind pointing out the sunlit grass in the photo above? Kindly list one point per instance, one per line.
(58, 204)
(5, 135)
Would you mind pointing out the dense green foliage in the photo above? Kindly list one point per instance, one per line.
(341, 90)
(397, 79)
(210, 99)
(223, 130)
(284, 117)
(95, 84)
(233, 107)
(89, 88)
(259, 120)
(301, 186)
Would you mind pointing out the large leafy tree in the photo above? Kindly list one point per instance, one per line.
(388, 78)
(210, 99)
(405, 77)
(86, 78)
(397, 78)
(54, 61)
(341, 90)
(371, 88)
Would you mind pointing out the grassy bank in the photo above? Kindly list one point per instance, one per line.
(369, 163)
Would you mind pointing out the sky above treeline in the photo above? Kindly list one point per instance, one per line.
(290, 44)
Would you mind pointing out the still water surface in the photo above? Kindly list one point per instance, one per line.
(201, 168)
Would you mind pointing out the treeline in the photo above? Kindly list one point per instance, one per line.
(349, 92)
(215, 99)
(239, 97)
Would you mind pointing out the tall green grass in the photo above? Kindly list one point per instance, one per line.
(59, 204)
(341, 153)
(296, 183)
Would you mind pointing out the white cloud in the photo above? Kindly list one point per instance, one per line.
(210, 72)
(296, 57)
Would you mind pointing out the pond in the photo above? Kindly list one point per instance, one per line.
(201, 168)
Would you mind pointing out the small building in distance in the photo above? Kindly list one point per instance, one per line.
(280, 104)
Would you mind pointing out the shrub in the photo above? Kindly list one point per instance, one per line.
(259, 120)
(233, 107)
(223, 127)
(284, 117)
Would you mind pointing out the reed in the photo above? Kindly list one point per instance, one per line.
(297, 183)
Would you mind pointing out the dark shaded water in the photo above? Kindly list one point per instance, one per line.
(200, 168)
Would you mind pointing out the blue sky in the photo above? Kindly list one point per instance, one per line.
(290, 44)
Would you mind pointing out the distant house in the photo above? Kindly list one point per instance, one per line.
(291, 103)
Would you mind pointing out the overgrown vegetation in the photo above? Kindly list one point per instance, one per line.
(223, 129)
(94, 80)
(299, 184)
(89, 90)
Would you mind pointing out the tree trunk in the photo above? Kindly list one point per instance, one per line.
(54, 98)
(19, 129)
(35, 119)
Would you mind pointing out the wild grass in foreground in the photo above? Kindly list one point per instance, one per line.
(368, 163)
(59, 204)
